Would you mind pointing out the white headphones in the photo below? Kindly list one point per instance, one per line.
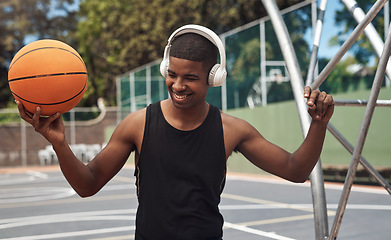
(217, 74)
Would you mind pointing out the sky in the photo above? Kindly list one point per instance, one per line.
(330, 29)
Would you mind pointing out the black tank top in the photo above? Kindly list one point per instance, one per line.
(180, 176)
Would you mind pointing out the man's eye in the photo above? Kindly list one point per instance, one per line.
(191, 79)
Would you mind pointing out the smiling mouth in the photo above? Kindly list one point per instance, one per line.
(180, 97)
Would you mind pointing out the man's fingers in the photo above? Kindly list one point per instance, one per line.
(329, 100)
(23, 113)
(330, 110)
(320, 106)
(52, 118)
(329, 103)
(316, 103)
(43, 122)
(307, 91)
(312, 99)
(37, 114)
(36, 119)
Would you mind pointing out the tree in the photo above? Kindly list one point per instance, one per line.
(113, 36)
(22, 21)
(118, 35)
(362, 49)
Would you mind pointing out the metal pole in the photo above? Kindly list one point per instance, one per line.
(354, 103)
(132, 86)
(317, 186)
(290, 59)
(162, 88)
(148, 87)
(119, 103)
(386, 11)
(72, 126)
(315, 47)
(368, 167)
(23, 138)
(348, 43)
(263, 62)
(370, 31)
(224, 104)
(379, 76)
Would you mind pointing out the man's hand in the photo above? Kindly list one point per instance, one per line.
(52, 128)
(320, 104)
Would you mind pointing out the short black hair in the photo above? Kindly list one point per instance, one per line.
(194, 47)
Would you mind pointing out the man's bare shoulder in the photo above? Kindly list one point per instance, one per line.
(136, 116)
(238, 128)
(235, 127)
(132, 126)
(236, 131)
(231, 122)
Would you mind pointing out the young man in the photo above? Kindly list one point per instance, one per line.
(181, 147)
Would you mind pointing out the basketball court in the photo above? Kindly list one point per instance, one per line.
(38, 203)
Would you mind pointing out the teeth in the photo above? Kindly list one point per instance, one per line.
(180, 96)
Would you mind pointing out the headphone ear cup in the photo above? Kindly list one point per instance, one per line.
(165, 61)
(221, 76)
(212, 75)
(217, 76)
(164, 67)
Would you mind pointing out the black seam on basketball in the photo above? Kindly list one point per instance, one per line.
(36, 49)
(51, 103)
(46, 75)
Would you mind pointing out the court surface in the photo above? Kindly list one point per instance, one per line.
(38, 203)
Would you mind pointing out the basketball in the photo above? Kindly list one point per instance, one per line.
(47, 73)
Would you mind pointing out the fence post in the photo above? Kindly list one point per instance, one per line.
(23, 138)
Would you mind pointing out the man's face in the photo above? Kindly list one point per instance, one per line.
(187, 83)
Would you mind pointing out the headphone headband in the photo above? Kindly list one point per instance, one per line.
(218, 74)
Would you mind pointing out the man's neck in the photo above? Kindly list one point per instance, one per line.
(184, 119)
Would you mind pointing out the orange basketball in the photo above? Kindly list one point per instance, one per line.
(47, 73)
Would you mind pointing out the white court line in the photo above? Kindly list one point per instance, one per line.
(303, 206)
(66, 215)
(106, 215)
(278, 220)
(271, 235)
(38, 174)
(113, 187)
(22, 195)
(31, 176)
(74, 234)
(70, 219)
(280, 181)
(14, 181)
(123, 237)
(362, 207)
(120, 214)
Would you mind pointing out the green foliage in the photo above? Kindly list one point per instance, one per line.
(10, 117)
(24, 21)
(344, 79)
(118, 35)
(362, 49)
(114, 36)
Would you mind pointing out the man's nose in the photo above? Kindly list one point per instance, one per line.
(179, 84)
